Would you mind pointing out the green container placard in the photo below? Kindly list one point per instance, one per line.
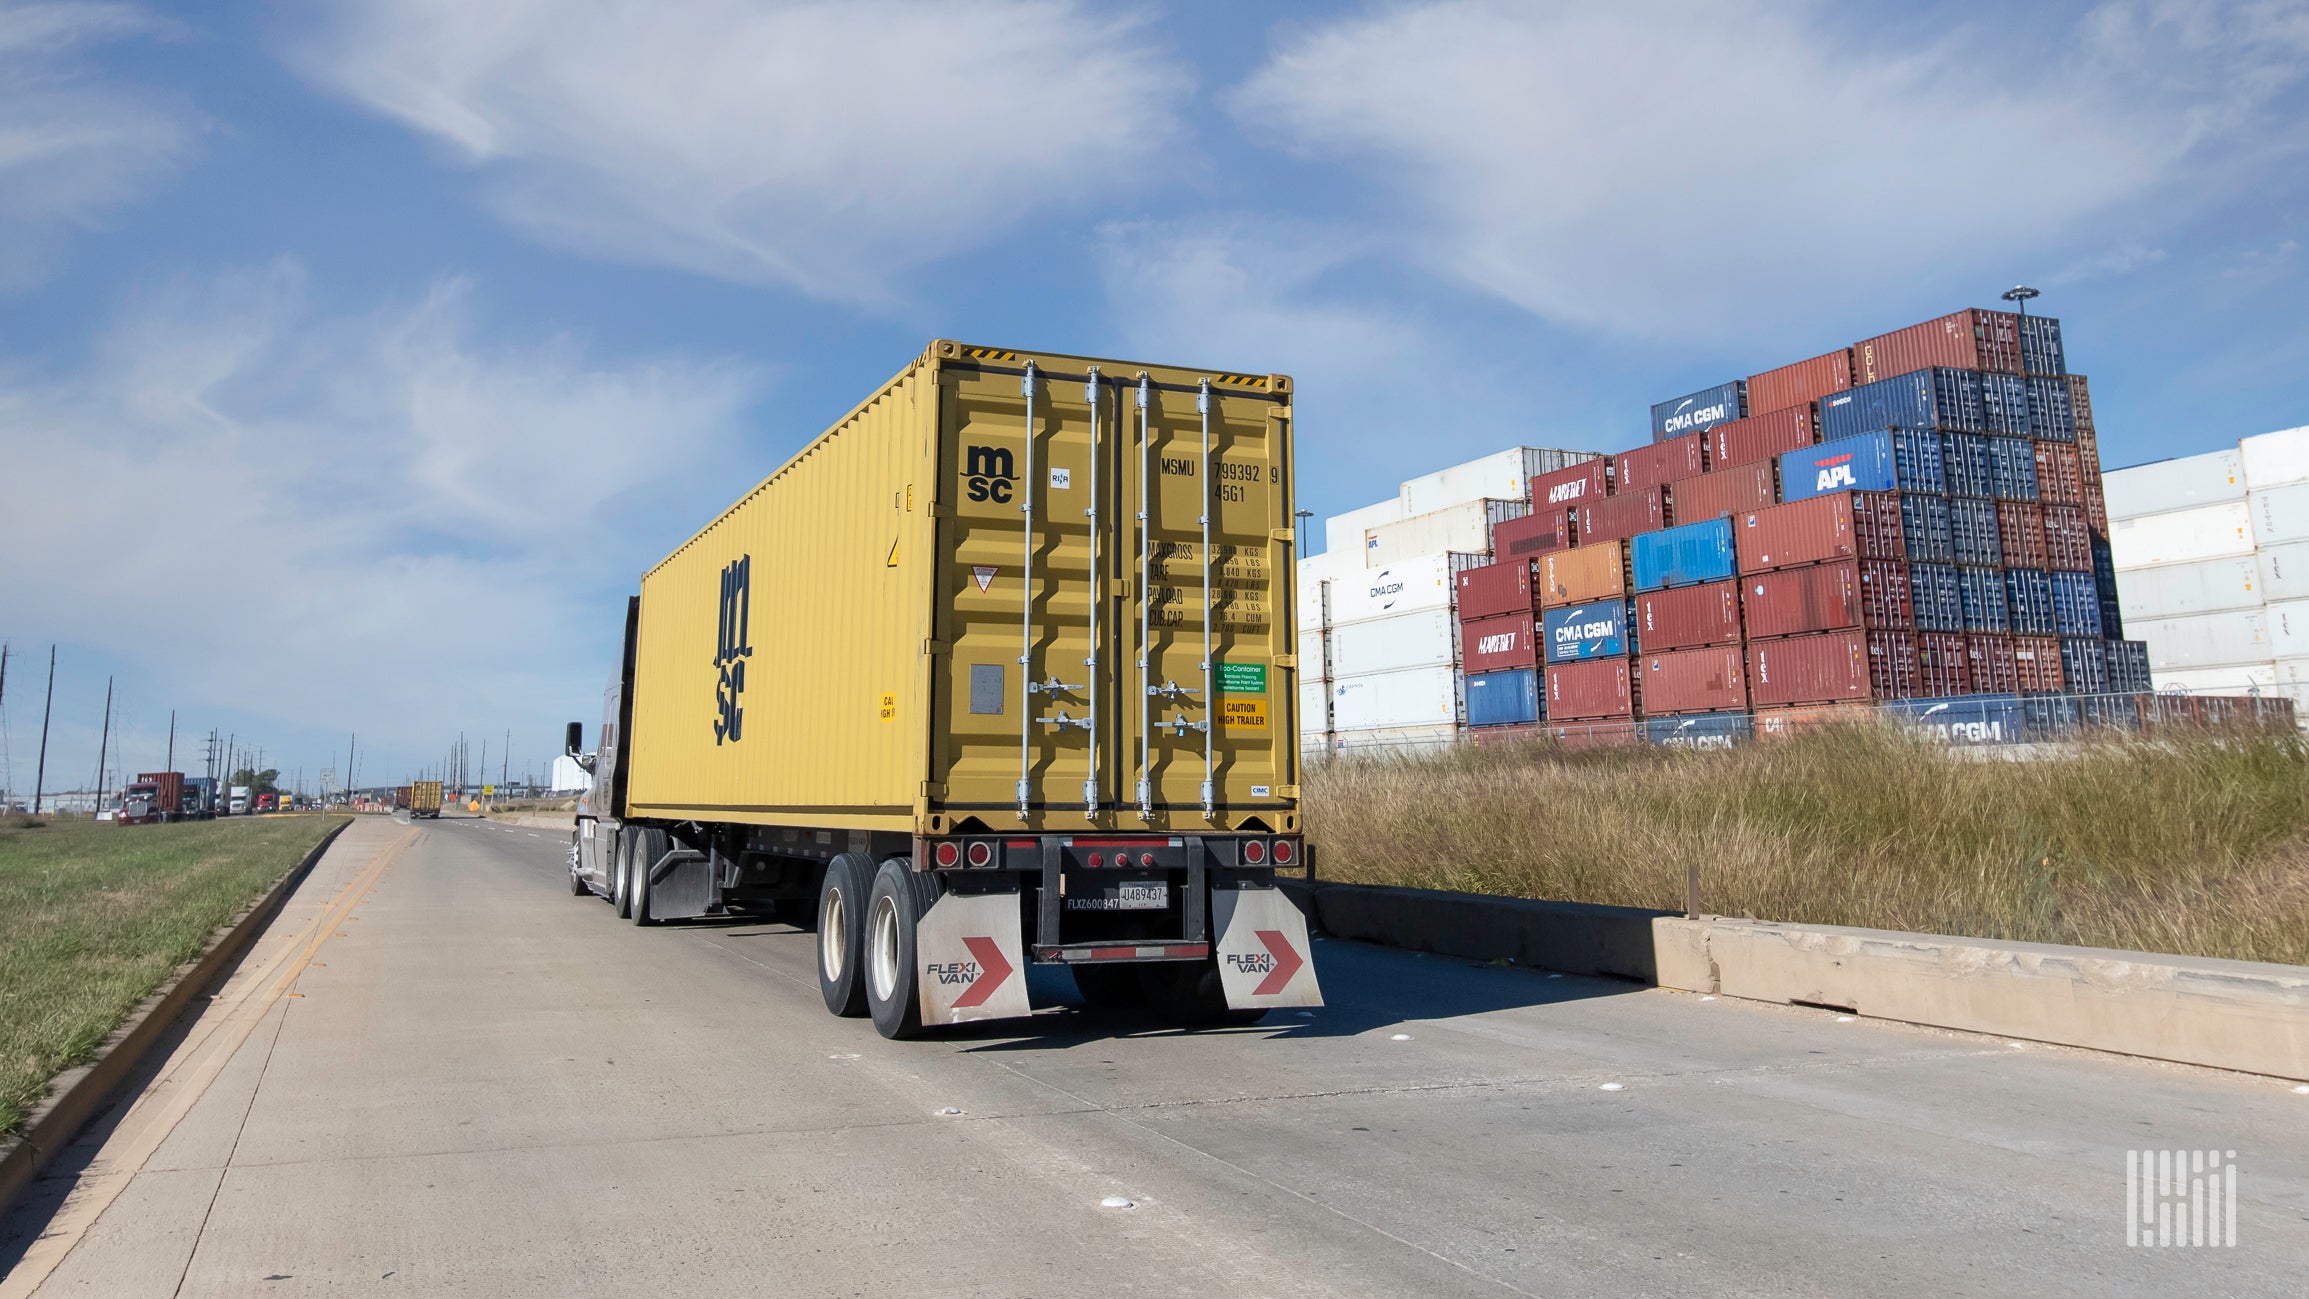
(1243, 678)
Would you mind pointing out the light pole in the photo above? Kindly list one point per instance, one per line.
(2018, 295)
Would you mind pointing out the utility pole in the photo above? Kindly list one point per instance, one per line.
(102, 744)
(351, 739)
(171, 764)
(40, 775)
(504, 762)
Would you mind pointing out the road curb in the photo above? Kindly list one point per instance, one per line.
(2248, 1016)
(79, 1095)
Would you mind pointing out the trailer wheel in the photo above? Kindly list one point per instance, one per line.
(648, 846)
(621, 876)
(893, 993)
(842, 932)
(1105, 985)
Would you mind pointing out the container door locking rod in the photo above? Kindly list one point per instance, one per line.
(1026, 616)
(1145, 602)
(1208, 489)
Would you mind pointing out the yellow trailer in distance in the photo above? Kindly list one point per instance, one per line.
(425, 798)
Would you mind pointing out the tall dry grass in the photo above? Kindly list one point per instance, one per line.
(2187, 845)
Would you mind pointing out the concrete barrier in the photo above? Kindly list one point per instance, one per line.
(2244, 1015)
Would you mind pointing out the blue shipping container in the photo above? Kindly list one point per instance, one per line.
(2012, 469)
(2040, 349)
(1939, 601)
(2028, 591)
(1984, 606)
(1938, 399)
(1701, 410)
(1509, 698)
(1924, 533)
(1962, 719)
(1873, 462)
(1683, 556)
(1601, 630)
(2128, 666)
(1964, 462)
(2084, 662)
(1699, 730)
(2004, 404)
(2051, 417)
(1972, 531)
(2076, 604)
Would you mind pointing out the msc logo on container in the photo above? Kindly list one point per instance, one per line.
(732, 647)
(988, 474)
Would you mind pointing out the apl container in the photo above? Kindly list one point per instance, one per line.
(1935, 400)
(1685, 555)
(1616, 518)
(1592, 690)
(1693, 681)
(1964, 462)
(1503, 587)
(1972, 531)
(1936, 597)
(1661, 462)
(2012, 469)
(2004, 404)
(1800, 532)
(1583, 573)
(1866, 594)
(1596, 630)
(1688, 617)
(2050, 417)
(1720, 492)
(1982, 593)
(1509, 698)
(1803, 382)
(2028, 595)
(1762, 437)
(2076, 607)
(1873, 462)
(1573, 486)
(1699, 730)
(2040, 350)
(1969, 340)
(1699, 411)
(1537, 533)
(2020, 533)
(1494, 644)
(1965, 719)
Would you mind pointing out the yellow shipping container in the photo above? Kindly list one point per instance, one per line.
(1583, 573)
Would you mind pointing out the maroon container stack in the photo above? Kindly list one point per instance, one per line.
(1762, 437)
(1689, 617)
(2036, 664)
(1498, 643)
(1942, 664)
(1825, 601)
(1810, 531)
(2068, 542)
(1620, 516)
(1719, 492)
(1966, 340)
(1711, 680)
(1493, 589)
(1801, 384)
(1990, 665)
(2020, 531)
(1660, 462)
(1572, 487)
(1868, 594)
(2059, 478)
(1538, 533)
(1597, 690)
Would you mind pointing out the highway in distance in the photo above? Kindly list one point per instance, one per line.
(440, 1074)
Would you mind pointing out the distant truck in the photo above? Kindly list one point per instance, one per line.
(154, 797)
(425, 798)
(240, 800)
(1022, 691)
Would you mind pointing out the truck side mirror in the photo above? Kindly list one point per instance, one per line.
(576, 738)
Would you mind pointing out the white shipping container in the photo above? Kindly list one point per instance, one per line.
(2288, 629)
(2180, 537)
(1459, 527)
(2166, 485)
(2285, 571)
(1311, 598)
(1314, 705)
(1413, 584)
(2179, 590)
(2228, 679)
(1412, 697)
(1396, 739)
(1314, 651)
(2280, 514)
(1343, 533)
(2275, 459)
(2205, 640)
(1505, 476)
(1404, 640)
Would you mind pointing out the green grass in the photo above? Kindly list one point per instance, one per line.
(2193, 845)
(94, 917)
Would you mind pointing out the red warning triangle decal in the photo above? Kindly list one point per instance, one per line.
(984, 575)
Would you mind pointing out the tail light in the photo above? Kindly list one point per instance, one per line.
(1254, 851)
(948, 854)
(1146, 859)
(1098, 859)
(1284, 852)
(981, 853)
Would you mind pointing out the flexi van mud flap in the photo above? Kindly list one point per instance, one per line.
(970, 959)
(1264, 958)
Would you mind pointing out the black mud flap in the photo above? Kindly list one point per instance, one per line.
(681, 886)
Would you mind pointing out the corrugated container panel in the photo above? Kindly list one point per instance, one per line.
(1598, 629)
(1809, 669)
(2185, 590)
(1926, 532)
(1989, 663)
(1935, 400)
(1459, 527)
(1505, 475)
(2080, 403)
(1780, 723)
(2280, 514)
(1495, 644)
(1800, 532)
(1583, 573)
(2020, 533)
(2206, 640)
(1868, 594)
(1878, 526)
(2040, 349)
(1803, 382)
(1618, 517)
(2275, 459)
(1415, 584)
(1685, 555)
(1509, 698)
(2289, 628)
(1972, 531)
(2096, 509)
(1982, 593)
(1972, 339)
(2219, 679)
(1574, 485)
(2186, 483)
(2028, 595)
(2036, 664)
(2076, 607)
(1963, 718)
(2284, 572)
(1312, 597)
(2105, 581)
(1689, 617)
(2128, 666)
(1965, 464)
(1935, 597)
(1504, 587)
(2012, 469)
(1597, 733)
(1941, 667)
(2084, 665)
(1314, 705)
(1694, 681)
(2059, 473)
(1699, 411)
(1661, 462)
(1762, 437)
(2050, 417)
(2182, 536)
(1585, 691)
(1381, 701)
(1872, 462)
(2088, 450)
(1533, 535)
(2068, 541)
(1345, 534)
(2004, 404)
(1699, 730)
(1404, 640)
(1719, 492)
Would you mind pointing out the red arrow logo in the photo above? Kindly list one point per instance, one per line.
(1287, 962)
(992, 971)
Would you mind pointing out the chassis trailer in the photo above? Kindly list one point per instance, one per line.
(997, 670)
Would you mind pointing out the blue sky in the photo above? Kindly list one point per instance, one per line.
(355, 359)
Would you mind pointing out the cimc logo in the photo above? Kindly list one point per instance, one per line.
(989, 475)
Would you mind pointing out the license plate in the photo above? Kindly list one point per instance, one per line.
(1123, 897)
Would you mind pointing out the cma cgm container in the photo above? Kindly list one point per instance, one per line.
(1494, 644)
(1413, 586)
(1688, 617)
(1509, 698)
(1535, 534)
(1762, 437)
(1884, 461)
(1597, 630)
(1017, 609)
(1719, 492)
(1941, 400)
(1616, 518)
(1590, 691)
(1685, 555)
(1699, 730)
(1801, 383)
(1700, 411)
(1661, 462)
(1967, 719)
(1967, 340)
(1583, 573)
(1693, 681)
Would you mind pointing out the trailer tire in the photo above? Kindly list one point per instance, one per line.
(900, 899)
(1104, 985)
(621, 876)
(842, 932)
(648, 847)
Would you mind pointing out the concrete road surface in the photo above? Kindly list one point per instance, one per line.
(440, 1074)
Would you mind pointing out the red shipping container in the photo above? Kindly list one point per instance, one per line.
(1779, 723)
(1495, 644)
(2020, 529)
(1533, 535)
(1598, 734)
(1876, 526)
(2036, 664)
(1871, 594)
(1504, 587)
(1968, 340)
(1892, 664)
(1762, 437)
(2088, 456)
(2080, 400)
(1685, 617)
(1616, 518)
(1809, 669)
(1661, 462)
(2058, 478)
(1989, 664)
(1595, 689)
(2068, 542)
(1708, 680)
(1719, 492)
(1942, 664)
(2096, 506)
(1573, 485)
(1801, 383)
(1800, 532)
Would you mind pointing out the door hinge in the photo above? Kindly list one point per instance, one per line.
(935, 789)
(1122, 588)
(935, 647)
(1286, 791)
(1280, 534)
(1286, 660)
